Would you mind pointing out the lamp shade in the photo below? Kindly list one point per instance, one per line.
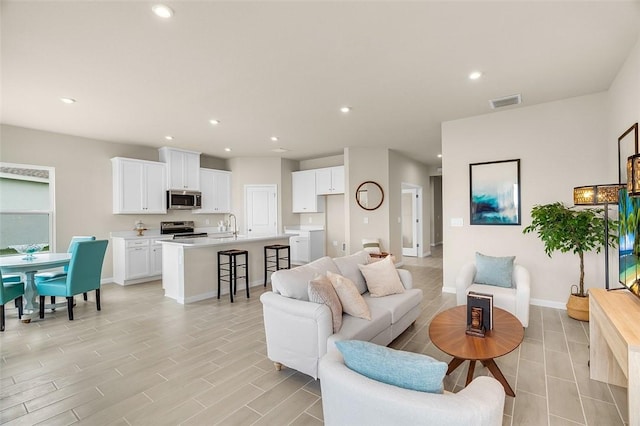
(596, 194)
(633, 175)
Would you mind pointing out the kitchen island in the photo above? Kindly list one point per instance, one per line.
(190, 266)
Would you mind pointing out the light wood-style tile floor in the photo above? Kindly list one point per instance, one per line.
(145, 360)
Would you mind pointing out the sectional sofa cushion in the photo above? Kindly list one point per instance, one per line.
(349, 267)
(321, 291)
(294, 282)
(497, 271)
(352, 301)
(399, 368)
(382, 278)
(397, 304)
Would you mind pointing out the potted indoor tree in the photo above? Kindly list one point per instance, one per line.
(567, 229)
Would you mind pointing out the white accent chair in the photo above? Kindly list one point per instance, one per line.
(349, 398)
(514, 300)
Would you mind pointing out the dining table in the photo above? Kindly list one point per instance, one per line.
(29, 266)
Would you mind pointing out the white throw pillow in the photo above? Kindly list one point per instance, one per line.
(382, 278)
(352, 302)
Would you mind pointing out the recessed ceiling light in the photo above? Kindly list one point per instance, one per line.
(227, 149)
(169, 137)
(439, 155)
(68, 100)
(214, 122)
(274, 139)
(345, 109)
(475, 75)
(162, 11)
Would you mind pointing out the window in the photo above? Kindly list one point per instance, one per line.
(26, 206)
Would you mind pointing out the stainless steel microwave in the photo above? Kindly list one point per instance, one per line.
(184, 200)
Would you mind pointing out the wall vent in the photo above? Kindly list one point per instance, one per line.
(505, 101)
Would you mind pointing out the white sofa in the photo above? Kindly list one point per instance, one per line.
(515, 300)
(349, 398)
(298, 332)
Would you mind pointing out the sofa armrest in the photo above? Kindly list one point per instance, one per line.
(463, 280)
(296, 331)
(351, 398)
(406, 278)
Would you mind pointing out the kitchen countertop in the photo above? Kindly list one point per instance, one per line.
(294, 228)
(189, 243)
(155, 233)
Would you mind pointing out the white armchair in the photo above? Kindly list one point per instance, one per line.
(514, 300)
(349, 398)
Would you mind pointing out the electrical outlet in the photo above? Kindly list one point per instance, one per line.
(334, 243)
(207, 222)
(366, 220)
(310, 220)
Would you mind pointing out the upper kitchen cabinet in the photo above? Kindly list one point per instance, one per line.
(304, 197)
(139, 187)
(330, 180)
(183, 168)
(215, 186)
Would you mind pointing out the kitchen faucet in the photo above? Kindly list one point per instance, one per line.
(235, 225)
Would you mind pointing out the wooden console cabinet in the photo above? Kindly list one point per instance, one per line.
(614, 332)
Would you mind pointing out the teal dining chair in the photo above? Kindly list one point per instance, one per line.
(83, 275)
(57, 274)
(11, 289)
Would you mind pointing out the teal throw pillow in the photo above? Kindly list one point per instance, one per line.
(399, 368)
(496, 271)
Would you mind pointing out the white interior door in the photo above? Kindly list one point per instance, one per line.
(261, 209)
(410, 222)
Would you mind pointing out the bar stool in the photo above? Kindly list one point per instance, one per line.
(229, 271)
(272, 261)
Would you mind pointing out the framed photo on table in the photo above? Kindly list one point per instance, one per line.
(495, 193)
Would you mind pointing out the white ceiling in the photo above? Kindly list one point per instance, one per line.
(285, 68)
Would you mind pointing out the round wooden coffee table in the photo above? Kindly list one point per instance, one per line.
(447, 332)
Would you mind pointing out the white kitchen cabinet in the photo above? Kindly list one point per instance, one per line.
(183, 168)
(136, 260)
(306, 245)
(215, 186)
(139, 187)
(155, 259)
(330, 180)
(304, 197)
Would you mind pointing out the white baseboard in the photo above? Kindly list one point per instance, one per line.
(549, 304)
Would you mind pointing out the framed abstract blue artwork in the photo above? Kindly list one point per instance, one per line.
(495, 193)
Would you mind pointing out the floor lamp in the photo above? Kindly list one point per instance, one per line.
(595, 195)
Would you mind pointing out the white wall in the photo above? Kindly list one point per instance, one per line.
(561, 145)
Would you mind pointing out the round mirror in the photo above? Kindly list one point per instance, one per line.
(369, 195)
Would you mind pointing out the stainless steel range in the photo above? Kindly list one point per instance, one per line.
(180, 229)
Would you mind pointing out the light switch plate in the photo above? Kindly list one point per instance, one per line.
(456, 221)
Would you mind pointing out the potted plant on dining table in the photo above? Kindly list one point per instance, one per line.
(567, 229)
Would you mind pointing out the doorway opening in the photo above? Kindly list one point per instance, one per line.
(411, 220)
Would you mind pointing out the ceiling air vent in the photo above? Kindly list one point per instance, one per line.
(506, 101)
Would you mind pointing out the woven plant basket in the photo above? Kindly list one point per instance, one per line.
(578, 307)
